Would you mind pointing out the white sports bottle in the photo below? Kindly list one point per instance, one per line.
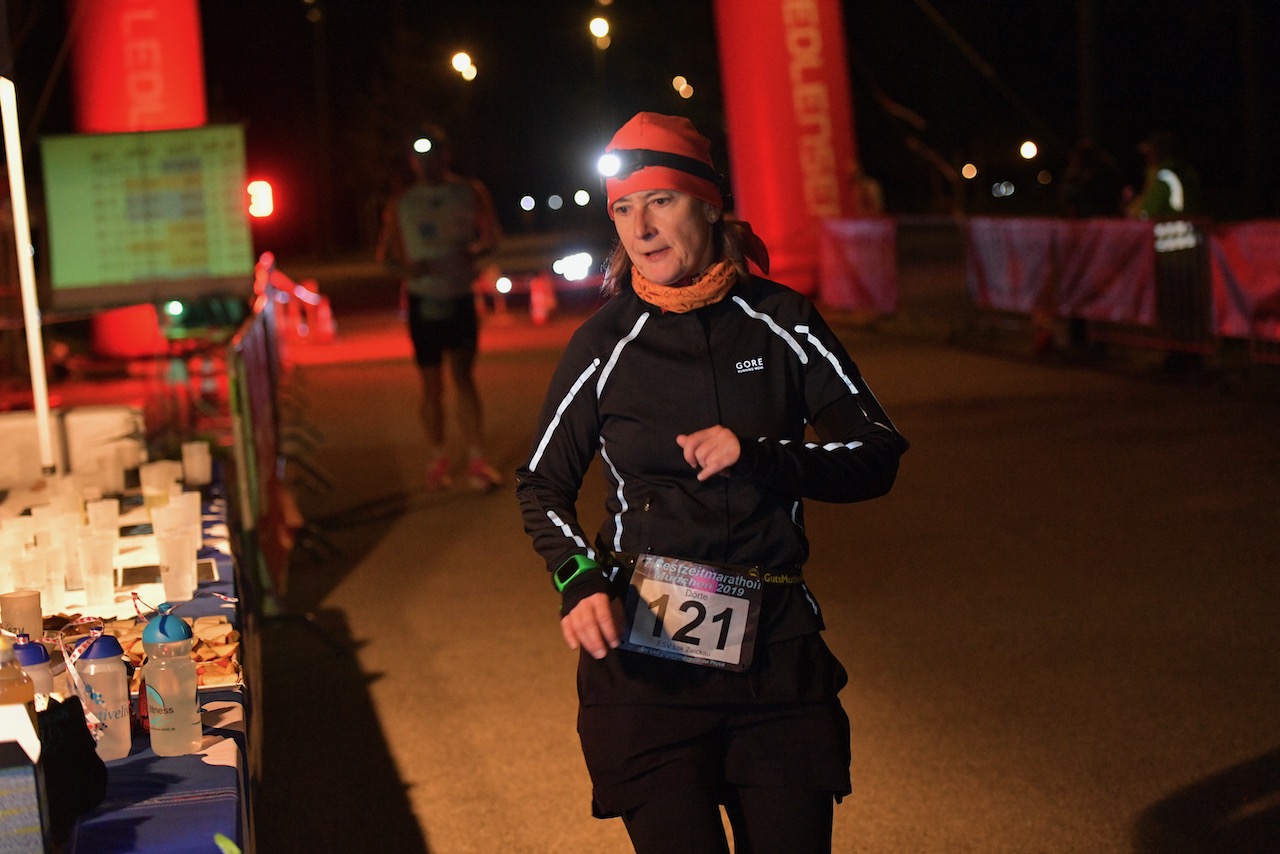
(106, 686)
(171, 683)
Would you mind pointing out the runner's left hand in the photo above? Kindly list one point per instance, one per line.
(712, 450)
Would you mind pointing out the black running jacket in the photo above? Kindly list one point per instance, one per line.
(761, 362)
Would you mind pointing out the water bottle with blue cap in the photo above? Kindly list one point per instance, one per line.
(102, 669)
(34, 659)
(170, 680)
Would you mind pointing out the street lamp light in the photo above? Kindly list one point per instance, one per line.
(466, 69)
(599, 29)
(463, 65)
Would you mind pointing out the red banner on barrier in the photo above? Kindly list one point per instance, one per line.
(1101, 269)
(858, 265)
(1246, 280)
(1010, 263)
(1106, 271)
(789, 120)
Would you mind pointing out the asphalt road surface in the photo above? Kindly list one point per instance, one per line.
(1060, 627)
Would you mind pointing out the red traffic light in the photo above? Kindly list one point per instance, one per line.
(261, 199)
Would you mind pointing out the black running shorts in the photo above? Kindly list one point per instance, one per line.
(634, 751)
(439, 325)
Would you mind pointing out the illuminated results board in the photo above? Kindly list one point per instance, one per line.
(146, 207)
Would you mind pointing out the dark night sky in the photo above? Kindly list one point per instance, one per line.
(542, 105)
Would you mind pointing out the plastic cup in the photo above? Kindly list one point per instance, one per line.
(67, 494)
(42, 518)
(174, 521)
(20, 613)
(197, 463)
(155, 479)
(10, 547)
(97, 551)
(177, 564)
(168, 518)
(64, 529)
(19, 529)
(188, 504)
(30, 570)
(54, 593)
(110, 470)
(104, 515)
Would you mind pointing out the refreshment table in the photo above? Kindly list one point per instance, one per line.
(183, 803)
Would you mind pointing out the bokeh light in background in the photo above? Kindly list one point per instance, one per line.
(573, 268)
(463, 65)
(599, 29)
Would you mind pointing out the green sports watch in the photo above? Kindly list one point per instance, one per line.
(571, 569)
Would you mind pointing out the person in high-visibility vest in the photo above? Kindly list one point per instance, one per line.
(1171, 191)
(1171, 187)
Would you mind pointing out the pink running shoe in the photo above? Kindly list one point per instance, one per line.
(483, 477)
(438, 477)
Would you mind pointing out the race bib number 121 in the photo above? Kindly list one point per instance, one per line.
(693, 612)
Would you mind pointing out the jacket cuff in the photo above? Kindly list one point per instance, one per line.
(749, 454)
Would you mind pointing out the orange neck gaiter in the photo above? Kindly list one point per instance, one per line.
(706, 288)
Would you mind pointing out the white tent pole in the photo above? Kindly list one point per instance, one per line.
(26, 270)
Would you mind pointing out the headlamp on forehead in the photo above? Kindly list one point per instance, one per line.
(423, 145)
(622, 163)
